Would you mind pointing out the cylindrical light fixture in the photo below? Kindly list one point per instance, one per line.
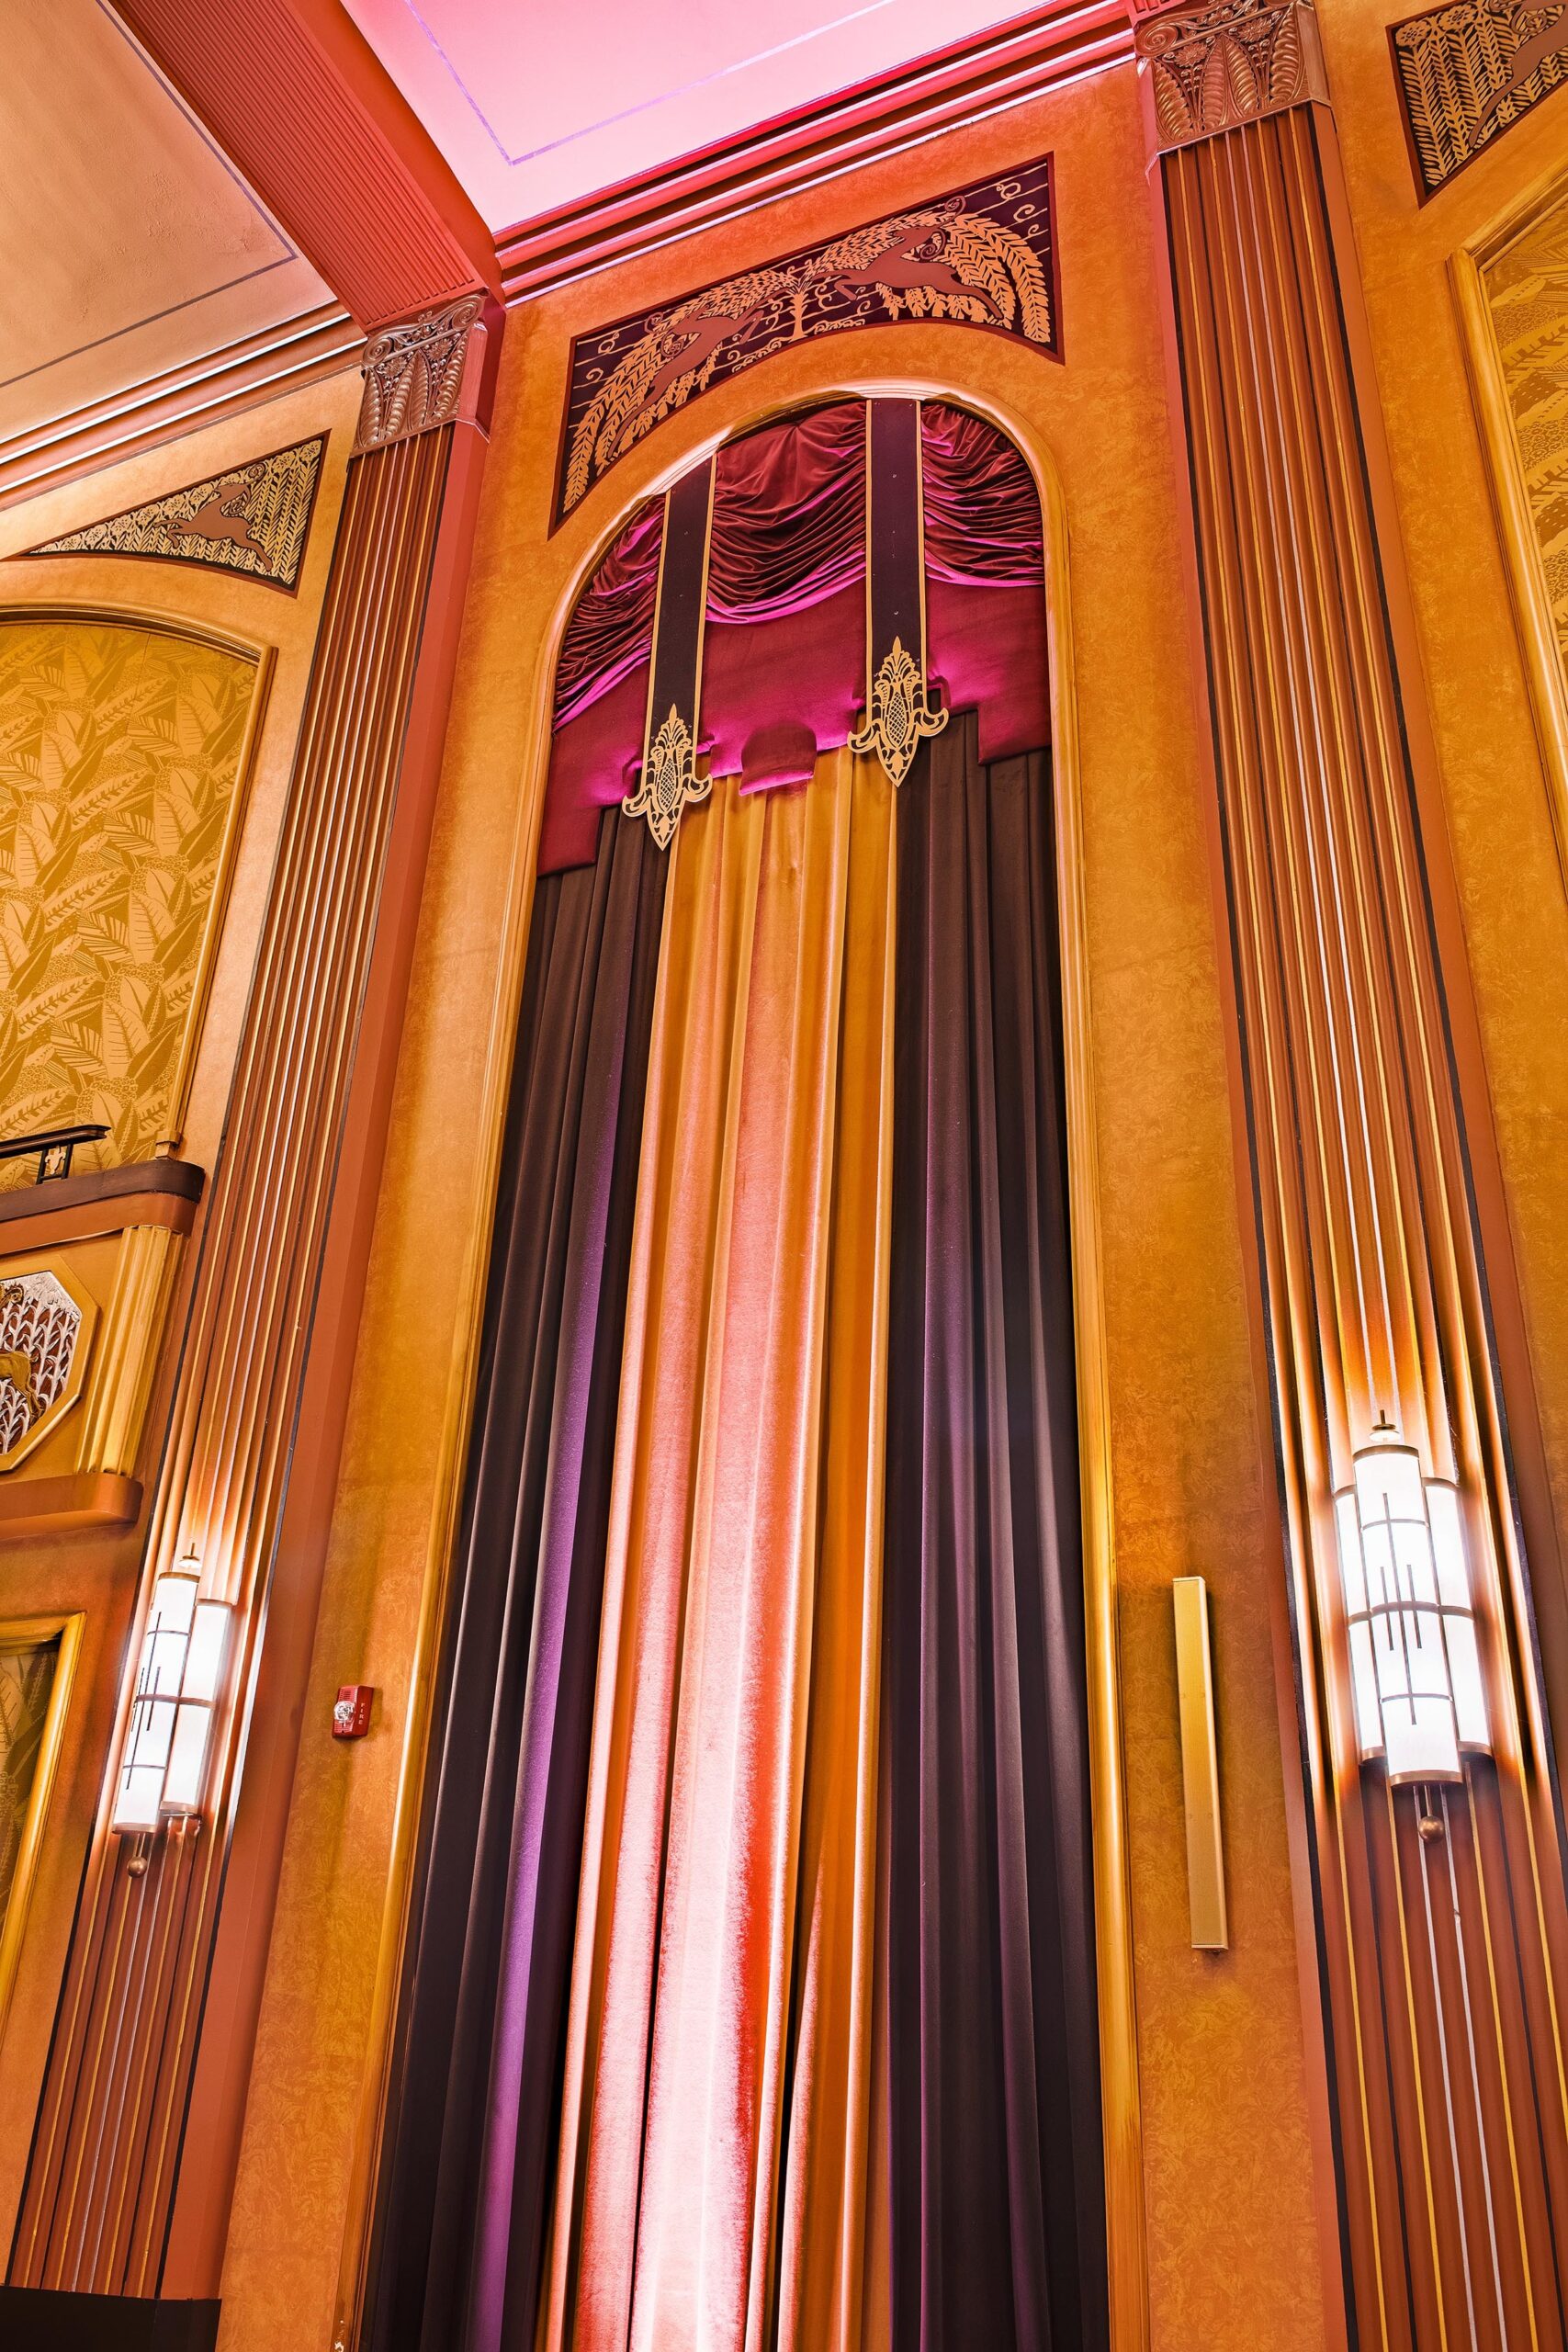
(178, 1683)
(1415, 1666)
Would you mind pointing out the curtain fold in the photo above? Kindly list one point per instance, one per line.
(788, 515)
(717, 2156)
(467, 2177)
(998, 2220)
(610, 633)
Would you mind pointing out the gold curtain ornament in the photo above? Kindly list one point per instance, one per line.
(900, 714)
(669, 780)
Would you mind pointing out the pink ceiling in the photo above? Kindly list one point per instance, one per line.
(538, 102)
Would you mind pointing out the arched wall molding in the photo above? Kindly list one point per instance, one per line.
(140, 621)
(575, 549)
(153, 619)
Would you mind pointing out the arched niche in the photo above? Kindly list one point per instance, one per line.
(564, 562)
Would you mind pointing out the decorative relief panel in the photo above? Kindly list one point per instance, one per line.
(254, 520)
(414, 374)
(1526, 291)
(45, 1330)
(1210, 69)
(119, 759)
(1468, 73)
(982, 257)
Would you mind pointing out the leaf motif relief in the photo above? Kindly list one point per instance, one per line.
(1285, 60)
(118, 758)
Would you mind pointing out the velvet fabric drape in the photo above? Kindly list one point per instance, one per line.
(715, 2176)
(472, 2149)
(998, 2214)
(784, 656)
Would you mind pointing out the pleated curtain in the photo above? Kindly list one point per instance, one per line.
(470, 2156)
(715, 2145)
(999, 2230)
(751, 1998)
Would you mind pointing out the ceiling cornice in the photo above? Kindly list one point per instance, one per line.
(200, 391)
(982, 75)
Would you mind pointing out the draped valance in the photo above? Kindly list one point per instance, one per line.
(783, 634)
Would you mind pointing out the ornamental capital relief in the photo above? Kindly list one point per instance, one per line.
(422, 373)
(1205, 71)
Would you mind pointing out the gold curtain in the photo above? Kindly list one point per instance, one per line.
(716, 2160)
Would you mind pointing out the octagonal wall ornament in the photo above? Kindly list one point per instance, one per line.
(47, 1322)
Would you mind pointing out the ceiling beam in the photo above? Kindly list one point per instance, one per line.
(301, 103)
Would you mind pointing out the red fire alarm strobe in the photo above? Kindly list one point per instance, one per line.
(351, 1712)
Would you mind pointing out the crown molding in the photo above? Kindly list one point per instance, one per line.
(985, 74)
(200, 391)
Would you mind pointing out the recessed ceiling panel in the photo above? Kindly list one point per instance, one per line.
(128, 243)
(535, 107)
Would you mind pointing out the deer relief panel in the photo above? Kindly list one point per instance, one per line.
(254, 520)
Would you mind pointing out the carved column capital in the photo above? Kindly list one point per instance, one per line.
(422, 373)
(1206, 70)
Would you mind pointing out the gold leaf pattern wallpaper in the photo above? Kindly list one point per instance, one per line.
(1527, 298)
(120, 755)
(26, 1677)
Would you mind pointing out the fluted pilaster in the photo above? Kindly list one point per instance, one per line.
(133, 2166)
(1440, 1907)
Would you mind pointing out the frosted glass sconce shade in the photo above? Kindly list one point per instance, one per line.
(177, 1682)
(1414, 1667)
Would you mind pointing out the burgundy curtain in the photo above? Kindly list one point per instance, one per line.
(984, 580)
(783, 654)
(998, 2214)
(611, 629)
(464, 2188)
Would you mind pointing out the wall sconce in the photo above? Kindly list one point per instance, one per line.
(176, 1685)
(1414, 1667)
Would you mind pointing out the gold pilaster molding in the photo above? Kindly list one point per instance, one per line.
(1441, 1914)
(1207, 1910)
(137, 2140)
(122, 1391)
(422, 374)
(1203, 71)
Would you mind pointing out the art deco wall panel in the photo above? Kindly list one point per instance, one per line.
(1470, 70)
(1513, 296)
(984, 256)
(254, 520)
(1442, 1911)
(122, 752)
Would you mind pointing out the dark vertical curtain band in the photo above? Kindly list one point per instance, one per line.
(998, 2201)
(464, 2191)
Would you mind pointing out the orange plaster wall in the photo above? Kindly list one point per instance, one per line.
(1233, 2216)
(1493, 787)
(96, 1573)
